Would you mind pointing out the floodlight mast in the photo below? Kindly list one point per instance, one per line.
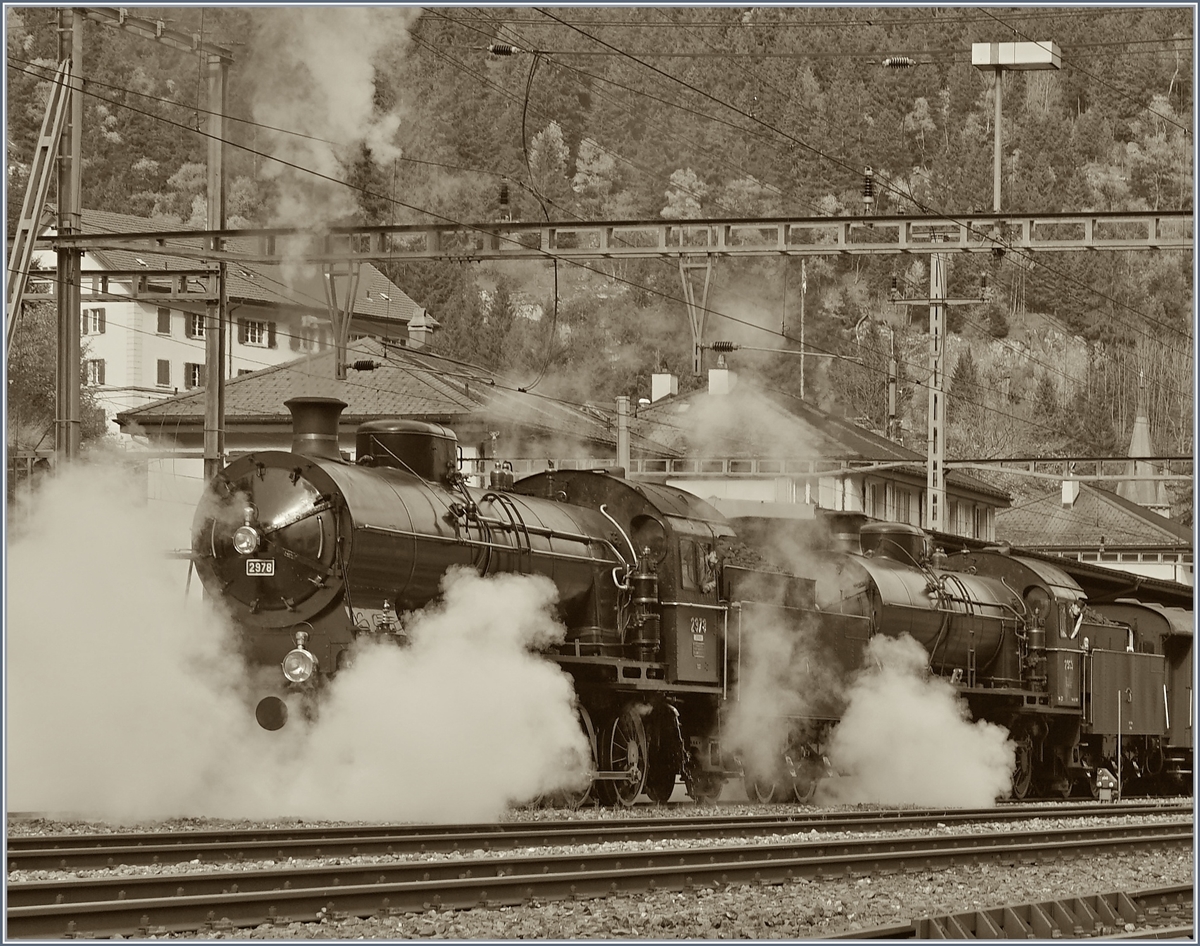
(997, 57)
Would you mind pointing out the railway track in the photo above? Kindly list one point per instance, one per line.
(80, 852)
(177, 902)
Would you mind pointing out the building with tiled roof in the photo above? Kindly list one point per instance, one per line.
(492, 421)
(139, 351)
(1090, 524)
(754, 452)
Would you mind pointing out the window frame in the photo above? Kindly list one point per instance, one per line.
(193, 375)
(92, 321)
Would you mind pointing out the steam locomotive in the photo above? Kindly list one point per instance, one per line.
(664, 605)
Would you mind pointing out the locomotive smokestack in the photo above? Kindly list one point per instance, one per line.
(315, 425)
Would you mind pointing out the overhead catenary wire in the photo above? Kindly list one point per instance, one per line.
(1048, 367)
(1186, 130)
(847, 166)
(663, 13)
(664, 295)
(718, 313)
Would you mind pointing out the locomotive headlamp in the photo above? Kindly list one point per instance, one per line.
(299, 665)
(245, 540)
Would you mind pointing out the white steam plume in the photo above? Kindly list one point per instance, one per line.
(782, 675)
(907, 738)
(465, 721)
(126, 702)
(314, 73)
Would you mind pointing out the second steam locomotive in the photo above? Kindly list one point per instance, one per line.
(663, 599)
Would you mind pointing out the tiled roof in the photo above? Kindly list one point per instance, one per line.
(1097, 517)
(749, 422)
(377, 297)
(407, 384)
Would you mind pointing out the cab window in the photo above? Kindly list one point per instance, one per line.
(687, 564)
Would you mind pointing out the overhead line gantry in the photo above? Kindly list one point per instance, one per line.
(651, 239)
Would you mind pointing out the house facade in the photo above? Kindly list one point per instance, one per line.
(138, 351)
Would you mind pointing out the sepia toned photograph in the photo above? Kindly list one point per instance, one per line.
(599, 472)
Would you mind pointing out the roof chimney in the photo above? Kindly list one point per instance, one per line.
(720, 379)
(663, 384)
(1070, 492)
(420, 329)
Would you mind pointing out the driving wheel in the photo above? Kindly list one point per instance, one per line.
(624, 749)
(763, 790)
(1022, 778)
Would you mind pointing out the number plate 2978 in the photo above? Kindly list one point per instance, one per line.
(260, 566)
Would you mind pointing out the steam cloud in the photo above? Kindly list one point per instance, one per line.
(907, 738)
(315, 75)
(127, 702)
(782, 675)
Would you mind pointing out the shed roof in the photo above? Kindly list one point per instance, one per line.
(408, 383)
(1097, 517)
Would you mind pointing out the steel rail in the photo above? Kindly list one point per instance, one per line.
(462, 884)
(72, 852)
(158, 886)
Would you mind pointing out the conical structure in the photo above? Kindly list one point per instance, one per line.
(1145, 492)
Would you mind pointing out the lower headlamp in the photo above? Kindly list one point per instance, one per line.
(299, 665)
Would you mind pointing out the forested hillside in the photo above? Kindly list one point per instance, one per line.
(403, 115)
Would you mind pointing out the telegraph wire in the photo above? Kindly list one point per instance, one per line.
(843, 164)
(1125, 95)
(810, 348)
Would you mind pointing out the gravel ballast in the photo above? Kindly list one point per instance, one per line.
(799, 909)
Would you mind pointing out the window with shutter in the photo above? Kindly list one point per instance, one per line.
(196, 325)
(164, 373)
(193, 375)
(255, 333)
(95, 371)
(164, 321)
(91, 321)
